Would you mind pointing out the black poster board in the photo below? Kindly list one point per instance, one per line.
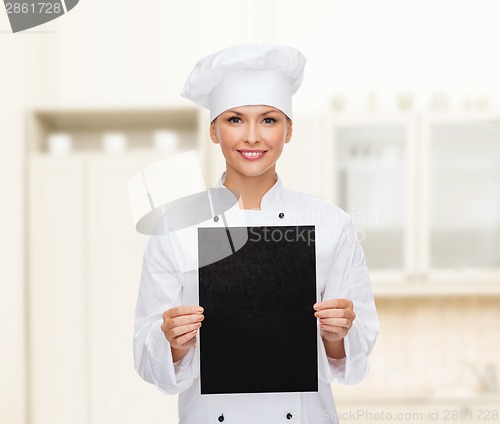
(259, 333)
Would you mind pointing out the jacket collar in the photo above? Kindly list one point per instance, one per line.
(271, 198)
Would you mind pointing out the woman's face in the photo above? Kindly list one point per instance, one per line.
(251, 138)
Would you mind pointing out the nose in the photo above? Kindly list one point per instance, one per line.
(252, 135)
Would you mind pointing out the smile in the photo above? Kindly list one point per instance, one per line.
(252, 154)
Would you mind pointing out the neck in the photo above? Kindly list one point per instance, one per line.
(251, 189)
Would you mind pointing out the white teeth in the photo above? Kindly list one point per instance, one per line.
(252, 154)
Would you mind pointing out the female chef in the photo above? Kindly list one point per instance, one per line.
(248, 90)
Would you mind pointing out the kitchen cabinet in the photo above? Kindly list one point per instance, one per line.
(56, 296)
(114, 252)
(84, 260)
(461, 197)
(424, 193)
(374, 178)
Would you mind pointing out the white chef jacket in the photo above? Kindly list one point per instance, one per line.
(170, 278)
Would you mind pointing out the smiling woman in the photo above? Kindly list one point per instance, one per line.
(248, 90)
(252, 140)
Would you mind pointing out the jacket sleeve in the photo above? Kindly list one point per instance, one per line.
(349, 279)
(160, 289)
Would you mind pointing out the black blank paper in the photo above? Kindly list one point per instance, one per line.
(259, 333)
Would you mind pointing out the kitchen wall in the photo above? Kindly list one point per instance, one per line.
(432, 347)
(138, 54)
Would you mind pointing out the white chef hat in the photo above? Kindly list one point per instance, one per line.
(248, 74)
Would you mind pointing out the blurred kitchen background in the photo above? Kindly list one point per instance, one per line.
(397, 122)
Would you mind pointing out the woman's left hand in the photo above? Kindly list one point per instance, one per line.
(335, 318)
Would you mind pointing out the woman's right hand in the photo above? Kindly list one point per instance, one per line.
(180, 325)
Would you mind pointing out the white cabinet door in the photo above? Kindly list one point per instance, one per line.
(85, 259)
(461, 208)
(373, 170)
(115, 249)
(57, 292)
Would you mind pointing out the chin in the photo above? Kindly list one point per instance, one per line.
(251, 172)
(247, 170)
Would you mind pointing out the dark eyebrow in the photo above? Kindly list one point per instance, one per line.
(242, 114)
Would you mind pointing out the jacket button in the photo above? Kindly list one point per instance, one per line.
(281, 215)
(216, 218)
(221, 418)
(289, 416)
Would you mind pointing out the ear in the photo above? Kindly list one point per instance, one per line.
(289, 131)
(213, 132)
